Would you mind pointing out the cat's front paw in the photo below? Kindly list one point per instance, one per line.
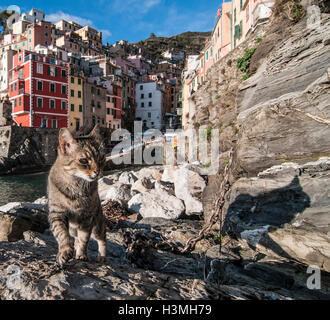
(64, 255)
(101, 259)
(82, 257)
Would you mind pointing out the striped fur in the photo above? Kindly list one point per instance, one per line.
(74, 204)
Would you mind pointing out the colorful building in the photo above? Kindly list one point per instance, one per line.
(246, 15)
(221, 35)
(76, 100)
(38, 91)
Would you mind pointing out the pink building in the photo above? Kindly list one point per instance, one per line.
(221, 32)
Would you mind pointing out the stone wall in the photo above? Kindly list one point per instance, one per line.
(25, 149)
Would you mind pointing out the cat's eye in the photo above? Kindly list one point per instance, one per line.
(83, 161)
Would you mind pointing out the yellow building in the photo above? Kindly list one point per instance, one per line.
(76, 101)
(91, 36)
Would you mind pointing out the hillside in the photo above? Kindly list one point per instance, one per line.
(189, 42)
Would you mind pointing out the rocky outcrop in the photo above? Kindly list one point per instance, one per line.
(157, 204)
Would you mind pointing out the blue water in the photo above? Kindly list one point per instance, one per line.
(20, 188)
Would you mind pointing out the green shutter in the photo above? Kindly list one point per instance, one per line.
(48, 70)
(55, 72)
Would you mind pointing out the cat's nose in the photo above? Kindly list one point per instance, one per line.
(94, 174)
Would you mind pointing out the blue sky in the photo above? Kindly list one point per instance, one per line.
(131, 20)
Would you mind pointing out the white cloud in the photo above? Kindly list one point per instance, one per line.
(54, 17)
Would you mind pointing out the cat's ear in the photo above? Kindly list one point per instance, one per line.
(67, 143)
(96, 134)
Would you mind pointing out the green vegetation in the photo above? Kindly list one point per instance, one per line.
(227, 106)
(246, 76)
(243, 63)
(226, 162)
(208, 133)
(231, 123)
(218, 96)
(236, 131)
(208, 165)
(259, 40)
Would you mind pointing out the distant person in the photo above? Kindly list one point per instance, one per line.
(42, 125)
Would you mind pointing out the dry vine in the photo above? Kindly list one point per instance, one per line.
(219, 202)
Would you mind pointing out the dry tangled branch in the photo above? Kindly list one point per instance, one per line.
(217, 208)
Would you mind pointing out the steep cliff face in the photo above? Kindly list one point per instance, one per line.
(276, 117)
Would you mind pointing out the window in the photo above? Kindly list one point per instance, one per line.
(39, 86)
(39, 102)
(44, 121)
(235, 15)
(52, 104)
(142, 105)
(79, 81)
(52, 71)
(150, 95)
(72, 93)
(52, 87)
(15, 102)
(39, 68)
(141, 87)
(149, 114)
(15, 86)
(80, 108)
(63, 105)
(54, 122)
(11, 88)
(63, 89)
(79, 94)
(63, 73)
(20, 101)
(72, 79)
(150, 104)
(98, 92)
(72, 107)
(108, 110)
(142, 96)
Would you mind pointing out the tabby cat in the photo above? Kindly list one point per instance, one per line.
(74, 204)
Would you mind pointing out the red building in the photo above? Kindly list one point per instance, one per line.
(38, 91)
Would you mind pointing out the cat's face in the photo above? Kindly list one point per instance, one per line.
(83, 157)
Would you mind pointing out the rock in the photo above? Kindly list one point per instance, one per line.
(166, 186)
(152, 173)
(16, 218)
(156, 203)
(169, 174)
(43, 201)
(142, 185)
(189, 187)
(285, 210)
(117, 192)
(127, 178)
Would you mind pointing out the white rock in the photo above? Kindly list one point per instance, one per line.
(142, 185)
(169, 174)
(127, 178)
(157, 204)
(149, 173)
(188, 184)
(22, 205)
(118, 191)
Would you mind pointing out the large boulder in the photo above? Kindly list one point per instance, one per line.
(189, 187)
(142, 185)
(117, 192)
(285, 210)
(16, 218)
(157, 204)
